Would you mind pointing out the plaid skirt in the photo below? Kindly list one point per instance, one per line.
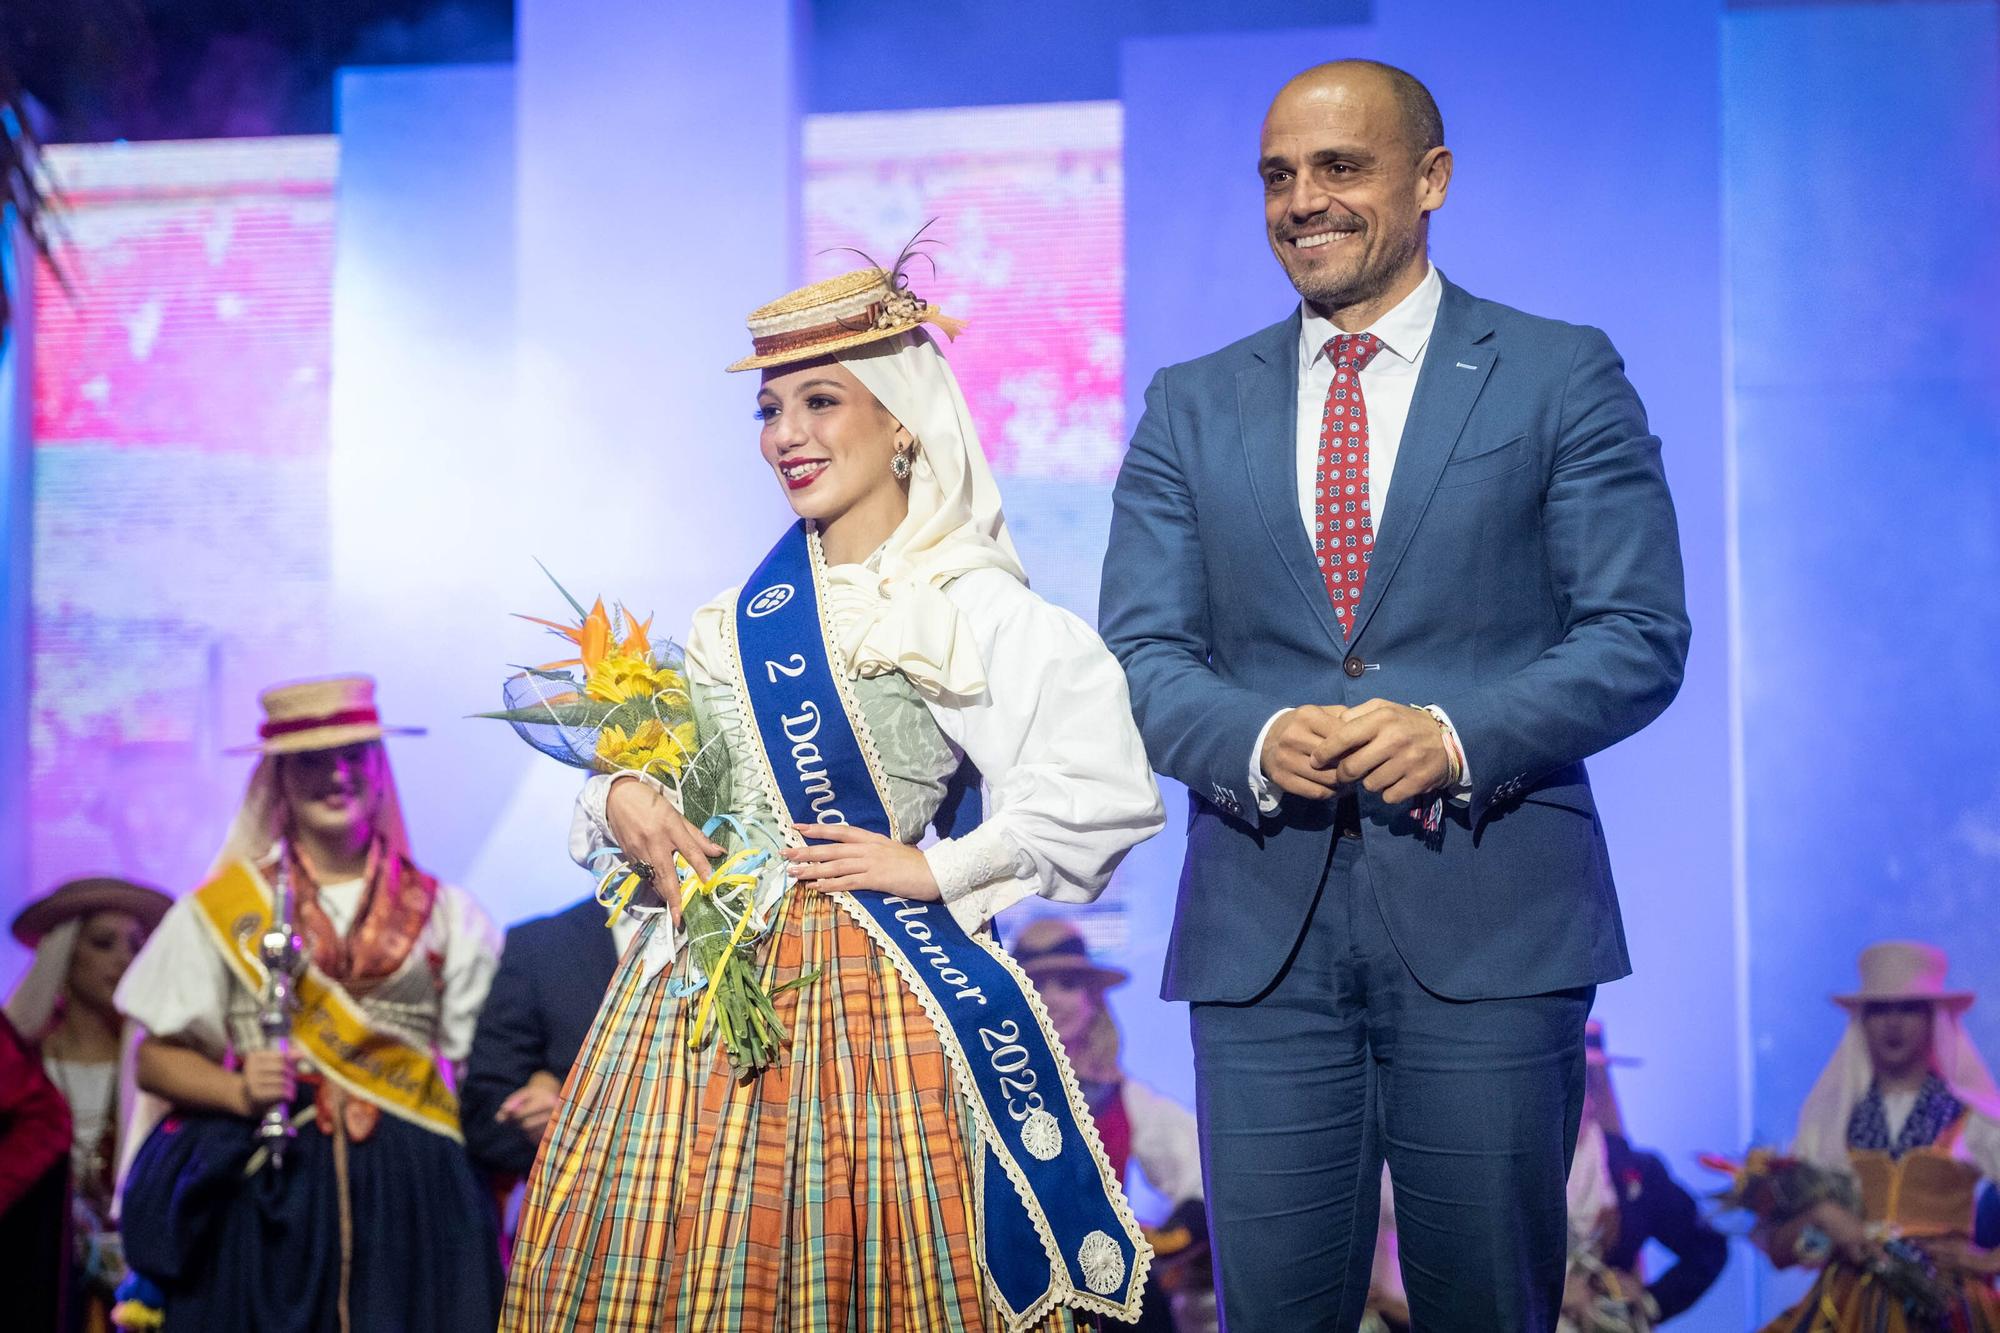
(1846, 1299)
(834, 1193)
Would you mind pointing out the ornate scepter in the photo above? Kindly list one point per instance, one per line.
(282, 951)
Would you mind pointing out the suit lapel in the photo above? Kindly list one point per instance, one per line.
(1456, 363)
(1267, 394)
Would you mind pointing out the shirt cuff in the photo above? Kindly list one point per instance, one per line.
(1261, 790)
(964, 864)
(1460, 791)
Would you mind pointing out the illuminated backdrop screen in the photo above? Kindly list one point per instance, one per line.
(180, 462)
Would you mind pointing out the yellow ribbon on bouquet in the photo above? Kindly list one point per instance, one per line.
(727, 875)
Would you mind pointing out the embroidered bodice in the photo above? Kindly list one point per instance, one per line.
(1912, 1179)
(916, 758)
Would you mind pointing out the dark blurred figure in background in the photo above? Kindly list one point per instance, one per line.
(85, 934)
(34, 1180)
(553, 974)
(1621, 1197)
(1135, 1122)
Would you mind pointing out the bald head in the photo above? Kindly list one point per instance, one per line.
(1397, 91)
(1353, 161)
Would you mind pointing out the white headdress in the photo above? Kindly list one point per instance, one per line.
(32, 1006)
(896, 616)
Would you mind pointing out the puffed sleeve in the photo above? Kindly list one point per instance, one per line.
(1166, 1141)
(1982, 1145)
(471, 957)
(178, 986)
(1068, 788)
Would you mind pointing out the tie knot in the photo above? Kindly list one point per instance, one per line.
(1352, 351)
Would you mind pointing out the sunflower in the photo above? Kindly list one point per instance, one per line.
(627, 676)
(652, 747)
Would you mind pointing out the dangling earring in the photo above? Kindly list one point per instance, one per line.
(899, 466)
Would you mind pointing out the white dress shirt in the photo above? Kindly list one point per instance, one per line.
(1388, 384)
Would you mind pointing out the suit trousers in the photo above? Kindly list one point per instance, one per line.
(1346, 1061)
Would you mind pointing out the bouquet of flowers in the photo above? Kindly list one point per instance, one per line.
(622, 705)
(1775, 1189)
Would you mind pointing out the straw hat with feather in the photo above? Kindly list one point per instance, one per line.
(851, 310)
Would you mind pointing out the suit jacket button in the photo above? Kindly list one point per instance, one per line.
(1354, 666)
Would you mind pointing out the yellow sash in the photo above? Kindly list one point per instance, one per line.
(367, 1062)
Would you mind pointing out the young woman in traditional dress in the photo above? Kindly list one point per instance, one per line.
(918, 1156)
(85, 935)
(1907, 1108)
(370, 1220)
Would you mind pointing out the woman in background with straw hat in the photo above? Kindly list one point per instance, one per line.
(1907, 1108)
(1139, 1124)
(85, 935)
(878, 1175)
(370, 1220)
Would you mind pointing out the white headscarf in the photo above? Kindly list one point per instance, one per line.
(32, 1006)
(1822, 1136)
(895, 616)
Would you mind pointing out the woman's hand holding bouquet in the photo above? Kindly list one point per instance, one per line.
(651, 829)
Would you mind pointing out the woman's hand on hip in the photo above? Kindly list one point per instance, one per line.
(851, 858)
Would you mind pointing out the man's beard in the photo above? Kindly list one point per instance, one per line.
(1340, 290)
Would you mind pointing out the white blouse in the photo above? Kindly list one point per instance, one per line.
(91, 1089)
(180, 985)
(1068, 789)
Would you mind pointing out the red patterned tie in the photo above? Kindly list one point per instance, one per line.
(1346, 532)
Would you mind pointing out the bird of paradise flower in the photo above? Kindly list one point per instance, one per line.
(620, 704)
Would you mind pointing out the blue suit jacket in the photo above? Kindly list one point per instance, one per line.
(1526, 577)
(553, 974)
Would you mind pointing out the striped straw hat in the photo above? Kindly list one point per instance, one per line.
(320, 715)
(855, 308)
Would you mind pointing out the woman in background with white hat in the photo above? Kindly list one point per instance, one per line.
(889, 638)
(1139, 1124)
(1908, 1109)
(370, 1220)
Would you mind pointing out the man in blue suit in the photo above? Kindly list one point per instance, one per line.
(553, 973)
(1397, 900)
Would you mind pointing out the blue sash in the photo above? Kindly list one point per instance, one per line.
(1056, 1228)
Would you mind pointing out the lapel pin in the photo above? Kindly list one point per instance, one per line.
(1463, 366)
